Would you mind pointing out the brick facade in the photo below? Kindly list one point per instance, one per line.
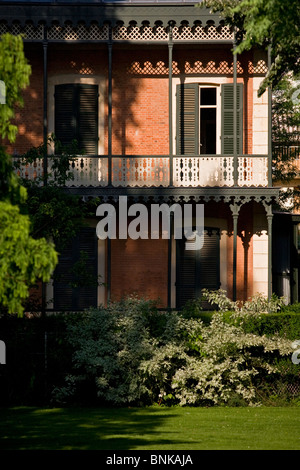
(140, 126)
(140, 267)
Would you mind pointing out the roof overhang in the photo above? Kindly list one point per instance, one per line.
(150, 14)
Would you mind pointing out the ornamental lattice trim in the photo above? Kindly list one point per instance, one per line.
(79, 33)
(29, 31)
(119, 33)
(199, 33)
(134, 33)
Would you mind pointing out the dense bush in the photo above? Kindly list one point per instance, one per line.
(132, 354)
(113, 348)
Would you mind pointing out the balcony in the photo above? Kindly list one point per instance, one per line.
(154, 171)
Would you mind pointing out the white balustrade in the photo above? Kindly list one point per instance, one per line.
(140, 171)
(253, 171)
(202, 171)
(85, 171)
(30, 171)
(88, 171)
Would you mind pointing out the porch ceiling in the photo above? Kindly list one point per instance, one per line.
(237, 196)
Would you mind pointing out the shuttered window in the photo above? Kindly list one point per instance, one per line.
(197, 115)
(75, 278)
(197, 269)
(76, 115)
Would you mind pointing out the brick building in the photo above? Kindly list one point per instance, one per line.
(166, 113)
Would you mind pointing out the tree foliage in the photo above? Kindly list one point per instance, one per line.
(262, 23)
(286, 133)
(14, 73)
(24, 260)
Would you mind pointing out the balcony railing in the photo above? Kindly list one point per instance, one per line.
(149, 171)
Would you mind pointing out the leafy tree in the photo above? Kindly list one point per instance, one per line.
(275, 23)
(14, 73)
(23, 259)
(286, 133)
(263, 23)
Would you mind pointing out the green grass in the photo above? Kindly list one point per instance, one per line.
(153, 428)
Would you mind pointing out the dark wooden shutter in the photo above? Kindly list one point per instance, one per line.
(227, 119)
(210, 260)
(65, 113)
(187, 126)
(187, 266)
(197, 269)
(68, 296)
(76, 115)
(88, 118)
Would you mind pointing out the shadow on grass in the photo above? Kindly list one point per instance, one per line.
(82, 428)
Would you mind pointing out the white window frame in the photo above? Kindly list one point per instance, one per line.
(74, 78)
(216, 106)
(202, 82)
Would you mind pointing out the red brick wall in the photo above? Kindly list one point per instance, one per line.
(140, 104)
(29, 119)
(140, 267)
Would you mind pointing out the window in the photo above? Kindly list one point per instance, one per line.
(75, 278)
(198, 114)
(76, 115)
(208, 120)
(197, 269)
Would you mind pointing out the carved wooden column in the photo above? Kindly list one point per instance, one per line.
(170, 46)
(45, 111)
(235, 208)
(108, 241)
(269, 212)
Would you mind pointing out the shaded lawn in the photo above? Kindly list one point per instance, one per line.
(152, 428)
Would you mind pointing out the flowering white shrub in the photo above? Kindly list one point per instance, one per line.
(228, 359)
(134, 354)
(256, 304)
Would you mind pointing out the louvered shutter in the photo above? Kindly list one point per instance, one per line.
(66, 295)
(187, 126)
(88, 118)
(186, 273)
(65, 113)
(209, 260)
(197, 269)
(76, 115)
(227, 119)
